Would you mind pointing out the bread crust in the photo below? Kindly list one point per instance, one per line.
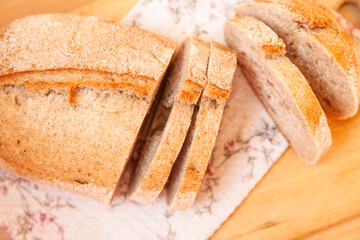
(89, 190)
(68, 80)
(222, 69)
(63, 41)
(266, 39)
(194, 157)
(196, 73)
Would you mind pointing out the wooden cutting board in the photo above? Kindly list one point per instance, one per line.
(294, 200)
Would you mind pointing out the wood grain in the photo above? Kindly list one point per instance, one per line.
(113, 9)
(4, 235)
(351, 11)
(294, 200)
(336, 4)
(12, 9)
(348, 229)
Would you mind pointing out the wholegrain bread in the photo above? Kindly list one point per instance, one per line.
(280, 86)
(190, 166)
(318, 45)
(187, 78)
(74, 93)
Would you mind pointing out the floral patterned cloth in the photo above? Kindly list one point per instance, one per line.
(247, 146)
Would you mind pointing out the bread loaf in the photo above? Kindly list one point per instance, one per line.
(74, 92)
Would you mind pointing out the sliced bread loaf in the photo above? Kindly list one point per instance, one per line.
(74, 92)
(190, 166)
(318, 45)
(280, 86)
(186, 80)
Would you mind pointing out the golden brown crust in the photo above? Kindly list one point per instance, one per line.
(314, 14)
(310, 109)
(322, 25)
(222, 63)
(261, 34)
(63, 41)
(196, 74)
(72, 78)
(89, 190)
(190, 92)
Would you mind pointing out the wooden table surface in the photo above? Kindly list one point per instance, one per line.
(294, 200)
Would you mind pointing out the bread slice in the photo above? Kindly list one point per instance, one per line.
(74, 92)
(280, 86)
(318, 45)
(186, 80)
(190, 167)
(354, 33)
